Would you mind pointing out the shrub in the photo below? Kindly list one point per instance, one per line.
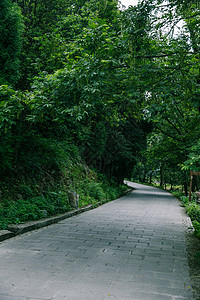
(185, 200)
(112, 193)
(193, 210)
(96, 191)
(196, 228)
(20, 210)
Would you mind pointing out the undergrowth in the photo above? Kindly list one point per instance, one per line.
(32, 200)
(38, 186)
(193, 210)
(53, 203)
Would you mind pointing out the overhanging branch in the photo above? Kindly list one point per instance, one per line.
(168, 134)
(155, 56)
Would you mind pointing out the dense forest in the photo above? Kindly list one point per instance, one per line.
(90, 94)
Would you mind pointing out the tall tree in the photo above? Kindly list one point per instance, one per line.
(171, 84)
(11, 29)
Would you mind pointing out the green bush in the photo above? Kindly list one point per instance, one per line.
(24, 190)
(85, 200)
(196, 228)
(193, 210)
(96, 191)
(112, 193)
(21, 210)
(185, 200)
(178, 194)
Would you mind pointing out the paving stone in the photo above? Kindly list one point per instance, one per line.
(131, 249)
(7, 297)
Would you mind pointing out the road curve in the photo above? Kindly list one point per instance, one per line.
(132, 248)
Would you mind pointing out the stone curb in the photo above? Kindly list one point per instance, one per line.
(14, 230)
(6, 234)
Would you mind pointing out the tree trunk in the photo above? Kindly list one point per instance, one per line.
(186, 188)
(150, 178)
(161, 176)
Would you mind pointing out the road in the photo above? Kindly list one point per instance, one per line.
(132, 248)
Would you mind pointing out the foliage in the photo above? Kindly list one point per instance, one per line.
(185, 200)
(12, 109)
(173, 72)
(31, 209)
(11, 29)
(83, 95)
(102, 93)
(40, 38)
(193, 211)
(196, 225)
(193, 161)
(50, 27)
(31, 203)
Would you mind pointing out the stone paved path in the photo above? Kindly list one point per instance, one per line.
(129, 249)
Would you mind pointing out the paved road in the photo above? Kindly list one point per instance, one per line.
(129, 249)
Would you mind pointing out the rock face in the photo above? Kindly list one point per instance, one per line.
(73, 199)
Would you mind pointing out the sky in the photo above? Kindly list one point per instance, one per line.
(129, 2)
(135, 2)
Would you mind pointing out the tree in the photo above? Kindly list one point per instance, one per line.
(105, 79)
(40, 19)
(11, 29)
(50, 26)
(167, 69)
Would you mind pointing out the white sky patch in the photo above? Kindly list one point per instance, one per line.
(126, 3)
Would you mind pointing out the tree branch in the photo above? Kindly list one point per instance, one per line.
(155, 56)
(193, 16)
(168, 134)
(167, 119)
(166, 54)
